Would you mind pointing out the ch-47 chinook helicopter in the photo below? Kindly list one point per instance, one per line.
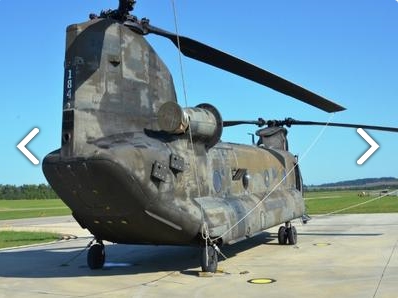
(136, 168)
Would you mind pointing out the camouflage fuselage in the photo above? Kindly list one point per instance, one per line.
(127, 181)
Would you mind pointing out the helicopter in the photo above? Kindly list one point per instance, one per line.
(137, 168)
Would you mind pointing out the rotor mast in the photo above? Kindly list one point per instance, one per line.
(125, 6)
(121, 14)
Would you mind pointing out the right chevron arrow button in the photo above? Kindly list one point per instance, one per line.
(373, 146)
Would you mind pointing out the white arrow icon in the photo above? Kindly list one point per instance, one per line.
(24, 142)
(373, 146)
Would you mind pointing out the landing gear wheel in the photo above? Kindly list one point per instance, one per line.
(282, 235)
(209, 259)
(96, 256)
(292, 235)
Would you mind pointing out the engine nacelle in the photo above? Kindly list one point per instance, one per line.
(204, 122)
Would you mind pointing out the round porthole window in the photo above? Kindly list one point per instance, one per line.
(245, 180)
(284, 176)
(217, 181)
(274, 174)
(266, 179)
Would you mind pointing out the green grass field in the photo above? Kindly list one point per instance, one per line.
(14, 209)
(316, 203)
(14, 238)
(331, 201)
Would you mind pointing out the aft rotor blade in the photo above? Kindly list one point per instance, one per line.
(199, 51)
(259, 122)
(371, 127)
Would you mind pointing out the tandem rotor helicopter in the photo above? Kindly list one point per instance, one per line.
(137, 168)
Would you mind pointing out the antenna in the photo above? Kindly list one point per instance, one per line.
(252, 134)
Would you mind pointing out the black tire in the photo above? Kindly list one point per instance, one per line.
(209, 260)
(96, 256)
(282, 235)
(292, 235)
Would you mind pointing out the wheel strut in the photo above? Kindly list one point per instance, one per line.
(209, 258)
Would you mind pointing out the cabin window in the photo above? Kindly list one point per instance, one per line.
(217, 181)
(297, 177)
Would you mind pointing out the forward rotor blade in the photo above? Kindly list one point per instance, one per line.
(290, 121)
(371, 127)
(199, 51)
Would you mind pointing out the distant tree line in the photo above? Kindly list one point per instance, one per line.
(361, 182)
(364, 184)
(27, 192)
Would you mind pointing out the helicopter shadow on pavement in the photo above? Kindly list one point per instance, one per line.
(68, 259)
(258, 240)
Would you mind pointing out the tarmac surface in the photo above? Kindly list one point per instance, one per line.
(336, 256)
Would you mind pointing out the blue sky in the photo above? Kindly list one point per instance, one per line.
(344, 50)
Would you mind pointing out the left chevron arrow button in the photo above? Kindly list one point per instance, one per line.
(22, 146)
